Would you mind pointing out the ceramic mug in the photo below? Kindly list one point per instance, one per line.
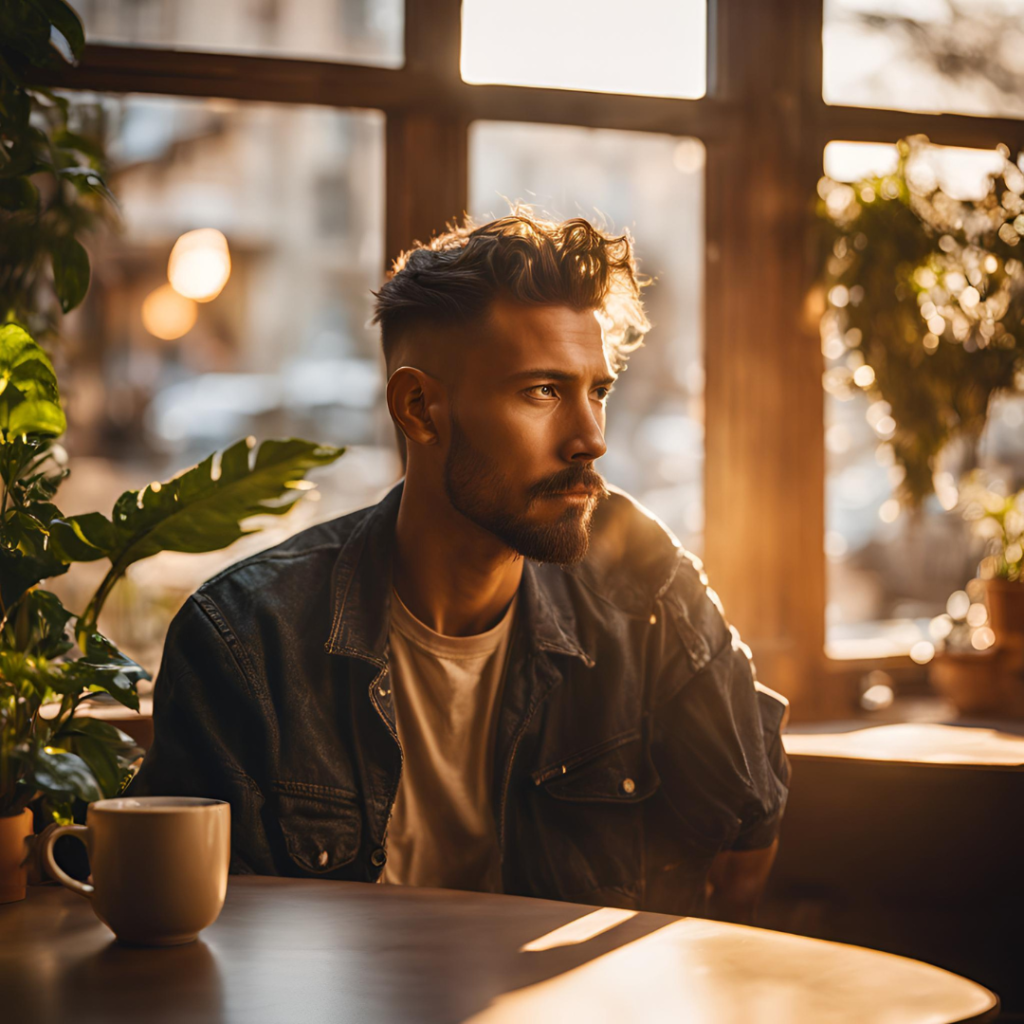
(159, 865)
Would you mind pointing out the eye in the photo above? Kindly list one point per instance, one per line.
(602, 392)
(543, 391)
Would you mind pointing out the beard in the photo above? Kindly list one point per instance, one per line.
(479, 490)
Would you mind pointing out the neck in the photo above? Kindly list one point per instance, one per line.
(453, 575)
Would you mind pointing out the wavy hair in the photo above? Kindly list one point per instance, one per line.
(458, 275)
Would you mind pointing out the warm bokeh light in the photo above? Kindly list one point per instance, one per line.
(200, 264)
(958, 604)
(650, 47)
(983, 638)
(168, 315)
(922, 652)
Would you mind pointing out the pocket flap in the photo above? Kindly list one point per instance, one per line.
(322, 827)
(619, 770)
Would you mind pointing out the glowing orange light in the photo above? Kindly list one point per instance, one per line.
(168, 315)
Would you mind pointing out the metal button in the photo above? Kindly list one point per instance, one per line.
(628, 785)
(378, 857)
(322, 859)
(654, 620)
(382, 691)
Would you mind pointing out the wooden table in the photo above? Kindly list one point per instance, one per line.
(906, 837)
(333, 952)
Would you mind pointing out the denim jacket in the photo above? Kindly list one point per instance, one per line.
(632, 744)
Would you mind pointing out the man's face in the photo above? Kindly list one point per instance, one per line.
(527, 424)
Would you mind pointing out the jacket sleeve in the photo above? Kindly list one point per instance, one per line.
(716, 733)
(209, 735)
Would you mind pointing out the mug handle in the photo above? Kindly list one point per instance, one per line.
(85, 834)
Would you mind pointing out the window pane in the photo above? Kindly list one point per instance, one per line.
(358, 31)
(889, 571)
(650, 47)
(654, 186)
(928, 55)
(156, 382)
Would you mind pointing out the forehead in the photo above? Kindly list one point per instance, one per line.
(516, 337)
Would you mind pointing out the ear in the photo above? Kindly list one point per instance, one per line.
(412, 394)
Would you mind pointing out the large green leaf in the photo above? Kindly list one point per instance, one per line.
(19, 571)
(71, 262)
(67, 23)
(104, 669)
(60, 771)
(41, 622)
(102, 732)
(202, 510)
(83, 538)
(29, 398)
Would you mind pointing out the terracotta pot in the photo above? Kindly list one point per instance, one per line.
(987, 684)
(14, 831)
(1005, 610)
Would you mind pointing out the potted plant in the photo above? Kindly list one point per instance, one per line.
(925, 299)
(997, 518)
(53, 759)
(51, 659)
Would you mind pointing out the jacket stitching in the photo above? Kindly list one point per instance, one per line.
(227, 637)
(313, 789)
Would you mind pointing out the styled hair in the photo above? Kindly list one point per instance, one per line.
(457, 276)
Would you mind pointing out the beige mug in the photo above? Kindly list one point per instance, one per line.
(159, 865)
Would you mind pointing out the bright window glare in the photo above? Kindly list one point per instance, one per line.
(961, 173)
(926, 55)
(648, 47)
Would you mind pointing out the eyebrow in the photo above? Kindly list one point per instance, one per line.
(559, 375)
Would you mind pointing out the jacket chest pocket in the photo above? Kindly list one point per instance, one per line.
(617, 771)
(589, 813)
(321, 827)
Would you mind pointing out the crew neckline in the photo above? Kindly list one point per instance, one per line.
(423, 636)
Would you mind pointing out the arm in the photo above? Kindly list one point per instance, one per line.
(736, 881)
(717, 746)
(209, 733)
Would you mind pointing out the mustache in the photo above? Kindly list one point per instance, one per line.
(574, 478)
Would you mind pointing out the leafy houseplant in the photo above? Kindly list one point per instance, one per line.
(52, 659)
(998, 519)
(51, 169)
(925, 304)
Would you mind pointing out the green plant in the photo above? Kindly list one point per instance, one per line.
(51, 659)
(997, 518)
(52, 188)
(925, 304)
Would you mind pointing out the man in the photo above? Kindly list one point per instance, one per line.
(505, 676)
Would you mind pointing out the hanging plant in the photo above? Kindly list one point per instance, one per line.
(925, 299)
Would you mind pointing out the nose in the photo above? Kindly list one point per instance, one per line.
(586, 441)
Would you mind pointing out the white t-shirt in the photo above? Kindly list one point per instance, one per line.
(446, 692)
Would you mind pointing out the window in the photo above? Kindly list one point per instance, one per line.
(652, 47)
(160, 380)
(362, 31)
(927, 55)
(654, 186)
(890, 571)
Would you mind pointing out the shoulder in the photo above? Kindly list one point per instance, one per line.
(637, 566)
(296, 570)
(634, 559)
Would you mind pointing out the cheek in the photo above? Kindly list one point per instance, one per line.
(513, 431)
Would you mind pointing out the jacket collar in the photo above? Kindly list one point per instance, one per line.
(361, 594)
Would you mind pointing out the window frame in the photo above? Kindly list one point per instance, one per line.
(765, 125)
